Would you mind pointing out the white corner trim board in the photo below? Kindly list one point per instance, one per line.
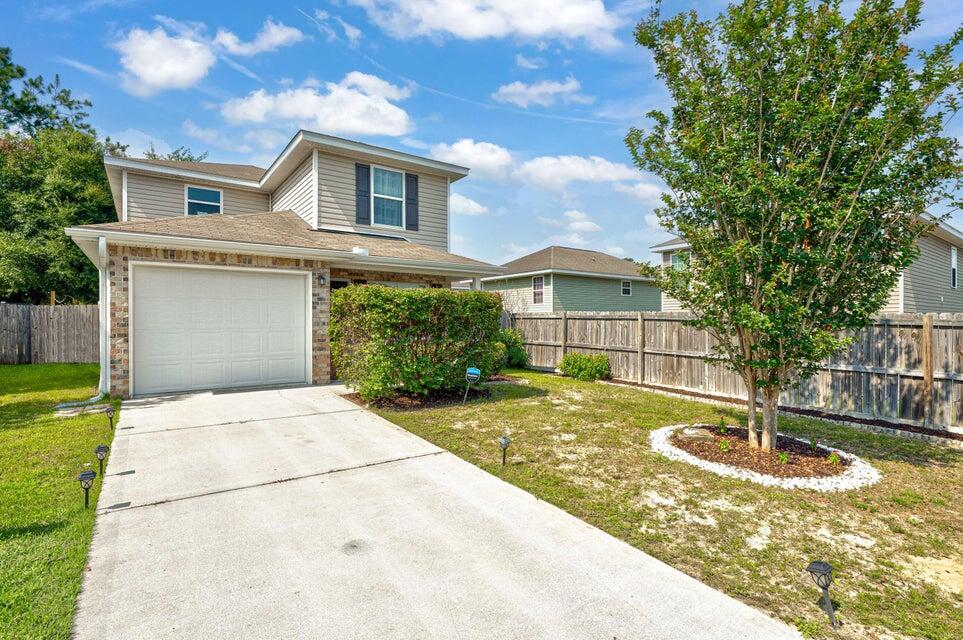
(859, 474)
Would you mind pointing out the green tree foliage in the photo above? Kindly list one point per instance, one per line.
(802, 152)
(385, 341)
(38, 104)
(50, 181)
(180, 154)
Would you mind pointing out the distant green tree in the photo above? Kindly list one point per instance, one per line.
(180, 154)
(802, 151)
(37, 104)
(52, 180)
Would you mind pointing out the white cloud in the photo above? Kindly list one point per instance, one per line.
(544, 93)
(465, 206)
(512, 250)
(578, 221)
(485, 159)
(272, 36)
(556, 172)
(82, 66)
(139, 142)
(618, 252)
(529, 63)
(351, 32)
(360, 104)
(213, 137)
(414, 143)
(644, 191)
(652, 220)
(585, 20)
(266, 138)
(154, 61)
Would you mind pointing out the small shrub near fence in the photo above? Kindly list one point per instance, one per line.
(385, 341)
(515, 355)
(583, 367)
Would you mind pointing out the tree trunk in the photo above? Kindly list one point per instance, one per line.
(751, 410)
(770, 427)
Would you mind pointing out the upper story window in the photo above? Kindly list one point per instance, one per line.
(626, 287)
(538, 289)
(953, 270)
(680, 259)
(200, 201)
(388, 197)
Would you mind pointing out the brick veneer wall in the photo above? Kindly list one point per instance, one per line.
(119, 270)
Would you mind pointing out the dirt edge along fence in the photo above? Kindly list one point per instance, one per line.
(903, 367)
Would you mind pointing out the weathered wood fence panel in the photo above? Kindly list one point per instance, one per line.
(905, 367)
(38, 334)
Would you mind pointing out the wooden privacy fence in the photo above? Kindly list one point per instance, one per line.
(38, 334)
(904, 367)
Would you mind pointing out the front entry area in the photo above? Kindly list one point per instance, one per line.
(195, 328)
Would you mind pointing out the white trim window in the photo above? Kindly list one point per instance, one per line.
(202, 201)
(953, 270)
(387, 198)
(538, 289)
(626, 287)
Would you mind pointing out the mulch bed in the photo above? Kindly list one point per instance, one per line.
(803, 461)
(410, 402)
(498, 377)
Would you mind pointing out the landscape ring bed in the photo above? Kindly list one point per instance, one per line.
(858, 473)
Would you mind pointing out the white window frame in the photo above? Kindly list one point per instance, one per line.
(624, 287)
(201, 186)
(954, 272)
(404, 194)
(540, 290)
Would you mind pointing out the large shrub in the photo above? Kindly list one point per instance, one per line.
(584, 367)
(385, 340)
(515, 355)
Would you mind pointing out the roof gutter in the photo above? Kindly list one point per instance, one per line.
(568, 272)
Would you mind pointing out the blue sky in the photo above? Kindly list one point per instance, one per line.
(535, 96)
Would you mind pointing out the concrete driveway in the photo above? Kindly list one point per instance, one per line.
(294, 514)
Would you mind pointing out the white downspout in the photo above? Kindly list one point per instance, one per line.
(104, 308)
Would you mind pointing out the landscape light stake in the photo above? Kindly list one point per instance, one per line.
(101, 453)
(472, 374)
(110, 416)
(86, 481)
(504, 441)
(822, 575)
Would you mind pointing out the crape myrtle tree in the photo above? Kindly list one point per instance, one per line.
(802, 152)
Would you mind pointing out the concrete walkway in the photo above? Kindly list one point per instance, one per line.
(294, 514)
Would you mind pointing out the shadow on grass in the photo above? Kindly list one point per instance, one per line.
(30, 530)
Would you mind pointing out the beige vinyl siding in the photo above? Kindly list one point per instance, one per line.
(295, 193)
(154, 197)
(517, 294)
(336, 198)
(926, 286)
(580, 293)
(893, 302)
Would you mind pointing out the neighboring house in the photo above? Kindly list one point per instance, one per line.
(929, 285)
(218, 275)
(564, 279)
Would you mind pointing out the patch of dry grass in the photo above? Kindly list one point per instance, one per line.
(584, 447)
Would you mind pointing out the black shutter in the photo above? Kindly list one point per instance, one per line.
(411, 202)
(362, 190)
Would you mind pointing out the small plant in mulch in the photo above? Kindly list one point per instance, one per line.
(411, 401)
(791, 458)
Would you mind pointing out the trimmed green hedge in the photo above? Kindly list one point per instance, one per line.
(386, 340)
(584, 367)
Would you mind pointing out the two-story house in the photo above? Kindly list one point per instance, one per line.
(929, 285)
(218, 275)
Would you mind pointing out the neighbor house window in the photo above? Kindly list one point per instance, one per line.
(953, 269)
(538, 289)
(626, 287)
(388, 197)
(200, 201)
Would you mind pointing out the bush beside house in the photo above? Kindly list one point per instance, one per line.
(585, 367)
(386, 341)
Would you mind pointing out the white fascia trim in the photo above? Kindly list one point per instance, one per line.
(568, 272)
(426, 266)
(670, 247)
(316, 198)
(127, 163)
(361, 232)
(902, 292)
(123, 202)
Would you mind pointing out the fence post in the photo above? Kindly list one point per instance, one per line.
(927, 356)
(640, 342)
(564, 333)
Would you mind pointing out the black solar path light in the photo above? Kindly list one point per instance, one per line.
(822, 574)
(86, 481)
(472, 375)
(101, 453)
(504, 441)
(110, 416)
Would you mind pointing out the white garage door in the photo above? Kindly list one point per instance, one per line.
(201, 328)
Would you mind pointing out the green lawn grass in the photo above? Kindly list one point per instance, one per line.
(584, 447)
(44, 529)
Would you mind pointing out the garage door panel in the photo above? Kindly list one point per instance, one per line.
(197, 328)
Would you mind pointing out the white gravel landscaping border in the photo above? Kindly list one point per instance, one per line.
(858, 474)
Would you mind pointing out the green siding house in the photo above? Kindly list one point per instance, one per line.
(565, 279)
